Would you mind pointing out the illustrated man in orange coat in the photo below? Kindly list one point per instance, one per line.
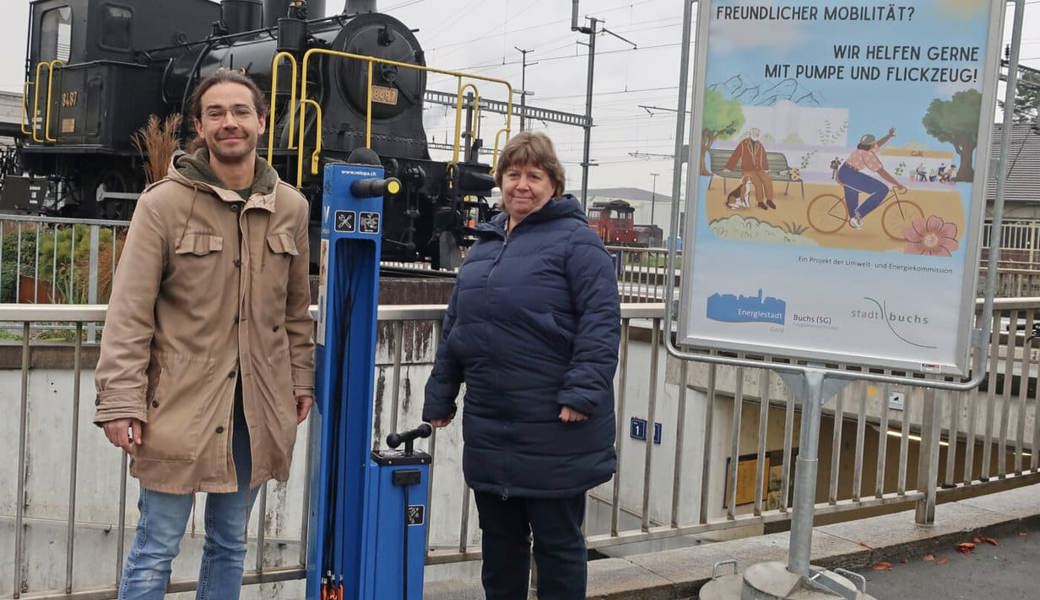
(750, 155)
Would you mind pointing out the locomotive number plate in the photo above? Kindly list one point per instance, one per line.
(384, 95)
(68, 125)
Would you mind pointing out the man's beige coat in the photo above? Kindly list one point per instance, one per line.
(209, 289)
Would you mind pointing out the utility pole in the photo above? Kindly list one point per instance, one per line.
(523, 85)
(653, 197)
(591, 31)
(680, 131)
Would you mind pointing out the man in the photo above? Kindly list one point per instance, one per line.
(754, 166)
(206, 363)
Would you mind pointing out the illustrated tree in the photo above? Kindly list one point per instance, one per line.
(722, 118)
(956, 121)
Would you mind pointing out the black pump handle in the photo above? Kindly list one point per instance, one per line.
(407, 437)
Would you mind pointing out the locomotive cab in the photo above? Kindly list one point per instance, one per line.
(614, 221)
(89, 86)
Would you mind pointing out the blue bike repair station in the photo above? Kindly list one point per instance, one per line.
(367, 513)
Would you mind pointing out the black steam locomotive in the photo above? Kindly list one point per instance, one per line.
(97, 69)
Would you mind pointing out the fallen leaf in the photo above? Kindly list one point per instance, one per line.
(882, 566)
(1024, 534)
(990, 541)
(942, 560)
(929, 557)
(965, 547)
(866, 546)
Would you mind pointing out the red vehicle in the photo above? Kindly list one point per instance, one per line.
(614, 221)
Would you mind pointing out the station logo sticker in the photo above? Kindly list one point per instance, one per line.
(345, 221)
(369, 222)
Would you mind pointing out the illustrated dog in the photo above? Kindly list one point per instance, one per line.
(741, 195)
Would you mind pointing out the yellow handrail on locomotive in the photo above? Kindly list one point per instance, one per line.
(36, 100)
(275, 62)
(368, 107)
(50, 88)
(458, 115)
(317, 142)
(494, 153)
(368, 118)
(25, 109)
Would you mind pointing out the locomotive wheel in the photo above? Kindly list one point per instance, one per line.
(114, 209)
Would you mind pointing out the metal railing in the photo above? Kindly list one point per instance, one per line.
(48, 260)
(738, 424)
(641, 272)
(70, 261)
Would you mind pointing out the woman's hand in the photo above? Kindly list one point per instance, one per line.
(569, 415)
(440, 422)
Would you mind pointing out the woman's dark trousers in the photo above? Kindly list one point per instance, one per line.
(559, 546)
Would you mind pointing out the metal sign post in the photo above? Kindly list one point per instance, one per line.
(956, 360)
(367, 513)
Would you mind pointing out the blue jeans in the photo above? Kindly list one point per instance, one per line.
(161, 528)
(855, 183)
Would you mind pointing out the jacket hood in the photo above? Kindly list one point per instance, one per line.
(561, 207)
(194, 169)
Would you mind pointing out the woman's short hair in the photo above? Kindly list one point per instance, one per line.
(532, 148)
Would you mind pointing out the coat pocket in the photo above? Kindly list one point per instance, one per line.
(197, 263)
(199, 244)
(551, 331)
(177, 410)
(282, 243)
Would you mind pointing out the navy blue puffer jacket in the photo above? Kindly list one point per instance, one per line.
(533, 325)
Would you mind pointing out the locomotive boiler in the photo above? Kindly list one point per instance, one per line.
(97, 69)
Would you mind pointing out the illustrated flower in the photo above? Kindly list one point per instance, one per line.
(932, 237)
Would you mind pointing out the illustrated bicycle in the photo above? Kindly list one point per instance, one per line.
(827, 213)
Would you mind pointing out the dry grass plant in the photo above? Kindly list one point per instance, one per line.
(157, 141)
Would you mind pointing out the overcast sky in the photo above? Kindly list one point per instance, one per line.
(480, 35)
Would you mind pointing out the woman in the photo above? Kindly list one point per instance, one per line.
(852, 176)
(532, 329)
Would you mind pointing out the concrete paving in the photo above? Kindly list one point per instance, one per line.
(1004, 571)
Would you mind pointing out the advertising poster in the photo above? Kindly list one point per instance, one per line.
(843, 155)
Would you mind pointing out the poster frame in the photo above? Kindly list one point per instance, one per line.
(967, 338)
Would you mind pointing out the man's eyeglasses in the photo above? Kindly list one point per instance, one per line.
(240, 113)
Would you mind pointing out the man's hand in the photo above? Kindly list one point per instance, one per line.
(891, 132)
(303, 408)
(569, 415)
(125, 433)
(440, 422)
(900, 188)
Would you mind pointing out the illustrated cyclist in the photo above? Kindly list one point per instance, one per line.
(855, 180)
